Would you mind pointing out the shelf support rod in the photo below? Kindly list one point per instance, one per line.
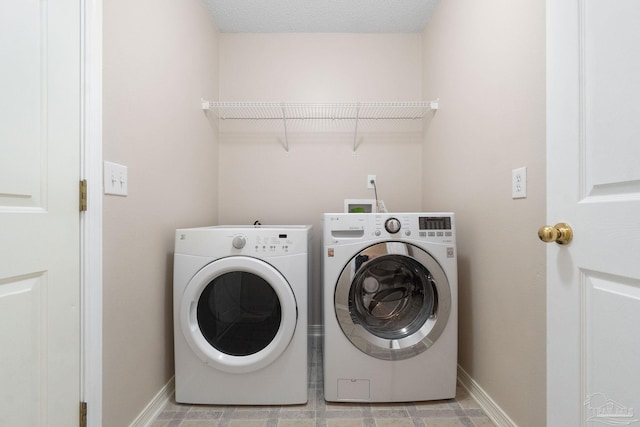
(286, 135)
(355, 134)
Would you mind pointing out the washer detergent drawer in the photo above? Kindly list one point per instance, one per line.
(354, 389)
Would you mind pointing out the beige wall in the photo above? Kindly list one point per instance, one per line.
(259, 180)
(486, 62)
(160, 59)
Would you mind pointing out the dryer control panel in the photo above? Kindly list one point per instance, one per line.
(262, 241)
(270, 243)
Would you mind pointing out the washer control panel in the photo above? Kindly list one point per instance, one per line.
(347, 228)
(432, 227)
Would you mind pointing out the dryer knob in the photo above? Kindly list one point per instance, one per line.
(392, 225)
(239, 242)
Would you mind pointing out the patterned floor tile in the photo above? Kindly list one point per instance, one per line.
(462, 411)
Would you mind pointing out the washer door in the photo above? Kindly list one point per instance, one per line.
(392, 300)
(238, 314)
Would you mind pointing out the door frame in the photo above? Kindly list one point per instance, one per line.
(91, 219)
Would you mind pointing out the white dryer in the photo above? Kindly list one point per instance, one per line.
(240, 314)
(390, 307)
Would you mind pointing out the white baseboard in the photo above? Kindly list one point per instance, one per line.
(155, 407)
(488, 405)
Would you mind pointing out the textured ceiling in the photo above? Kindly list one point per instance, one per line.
(321, 16)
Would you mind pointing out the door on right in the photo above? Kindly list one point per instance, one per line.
(593, 184)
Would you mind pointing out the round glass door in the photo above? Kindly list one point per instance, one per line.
(392, 300)
(238, 314)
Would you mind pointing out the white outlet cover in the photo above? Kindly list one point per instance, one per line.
(519, 183)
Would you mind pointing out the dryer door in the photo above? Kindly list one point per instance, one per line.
(238, 314)
(392, 300)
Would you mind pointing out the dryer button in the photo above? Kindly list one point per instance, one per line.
(239, 242)
(407, 233)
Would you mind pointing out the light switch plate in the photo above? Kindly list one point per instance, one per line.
(115, 179)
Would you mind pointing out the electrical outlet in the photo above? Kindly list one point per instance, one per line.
(369, 179)
(519, 183)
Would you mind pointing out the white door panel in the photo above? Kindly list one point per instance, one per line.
(610, 141)
(22, 104)
(22, 304)
(611, 347)
(39, 218)
(593, 148)
(611, 85)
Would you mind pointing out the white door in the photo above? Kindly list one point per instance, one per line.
(39, 218)
(593, 151)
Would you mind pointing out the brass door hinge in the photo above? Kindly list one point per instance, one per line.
(83, 414)
(83, 195)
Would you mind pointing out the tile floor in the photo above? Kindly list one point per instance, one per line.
(462, 411)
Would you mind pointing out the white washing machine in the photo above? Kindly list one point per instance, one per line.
(240, 314)
(390, 307)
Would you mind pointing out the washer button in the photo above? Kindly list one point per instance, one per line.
(392, 225)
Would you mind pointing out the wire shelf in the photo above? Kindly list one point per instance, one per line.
(285, 111)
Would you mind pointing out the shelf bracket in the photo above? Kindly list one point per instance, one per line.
(355, 133)
(286, 135)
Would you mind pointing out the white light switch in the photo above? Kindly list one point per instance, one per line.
(115, 179)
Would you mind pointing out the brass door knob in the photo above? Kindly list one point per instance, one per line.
(561, 233)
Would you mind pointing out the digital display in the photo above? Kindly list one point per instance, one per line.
(282, 236)
(435, 222)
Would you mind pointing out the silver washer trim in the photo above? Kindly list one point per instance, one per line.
(414, 342)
